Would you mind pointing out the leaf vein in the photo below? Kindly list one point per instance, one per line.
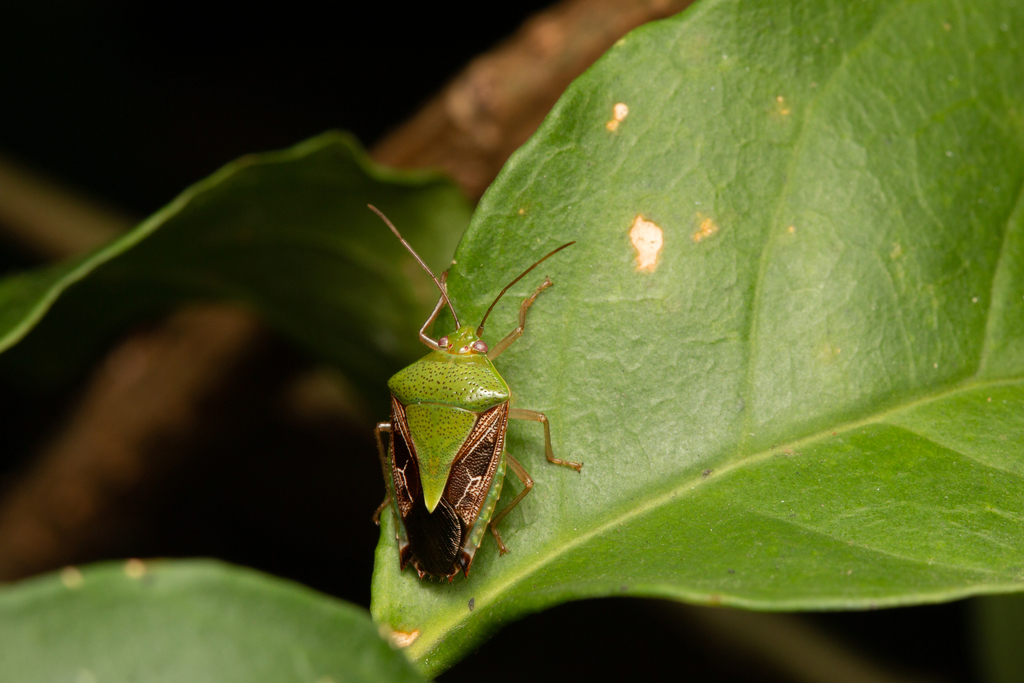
(872, 549)
(756, 299)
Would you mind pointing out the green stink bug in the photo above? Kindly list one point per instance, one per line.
(446, 460)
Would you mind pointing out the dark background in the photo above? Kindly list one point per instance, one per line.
(130, 103)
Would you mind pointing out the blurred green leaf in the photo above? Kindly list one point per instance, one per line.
(815, 400)
(286, 233)
(188, 622)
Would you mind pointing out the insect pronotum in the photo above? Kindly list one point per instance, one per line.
(446, 460)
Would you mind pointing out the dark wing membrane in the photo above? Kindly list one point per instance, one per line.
(471, 474)
(404, 472)
(435, 538)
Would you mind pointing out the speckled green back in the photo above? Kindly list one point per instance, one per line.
(464, 381)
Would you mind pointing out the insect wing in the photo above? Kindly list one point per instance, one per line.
(404, 471)
(434, 538)
(473, 470)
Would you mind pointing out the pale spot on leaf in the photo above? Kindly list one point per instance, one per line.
(647, 239)
(828, 353)
(403, 639)
(706, 229)
(791, 229)
(781, 105)
(619, 113)
(71, 577)
(134, 569)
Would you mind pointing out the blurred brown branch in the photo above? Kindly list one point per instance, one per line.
(472, 126)
(150, 388)
(52, 221)
(148, 392)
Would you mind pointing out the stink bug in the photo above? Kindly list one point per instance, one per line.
(446, 460)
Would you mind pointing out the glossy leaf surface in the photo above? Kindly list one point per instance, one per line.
(186, 621)
(287, 233)
(813, 397)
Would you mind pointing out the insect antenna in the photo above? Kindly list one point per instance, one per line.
(416, 256)
(480, 329)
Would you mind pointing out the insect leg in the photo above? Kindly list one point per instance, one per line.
(535, 416)
(518, 332)
(382, 427)
(430, 342)
(524, 477)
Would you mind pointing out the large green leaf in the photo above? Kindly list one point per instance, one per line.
(287, 233)
(188, 622)
(815, 400)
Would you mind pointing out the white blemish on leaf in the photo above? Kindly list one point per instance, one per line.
(647, 239)
(402, 639)
(619, 113)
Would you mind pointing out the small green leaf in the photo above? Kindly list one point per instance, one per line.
(188, 622)
(813, 397)
(287, 233)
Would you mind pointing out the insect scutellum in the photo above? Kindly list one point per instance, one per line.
(446, 460)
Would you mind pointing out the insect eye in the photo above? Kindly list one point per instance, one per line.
(443, 342)
(480, 346)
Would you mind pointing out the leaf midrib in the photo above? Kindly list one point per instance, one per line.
(423, 647)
